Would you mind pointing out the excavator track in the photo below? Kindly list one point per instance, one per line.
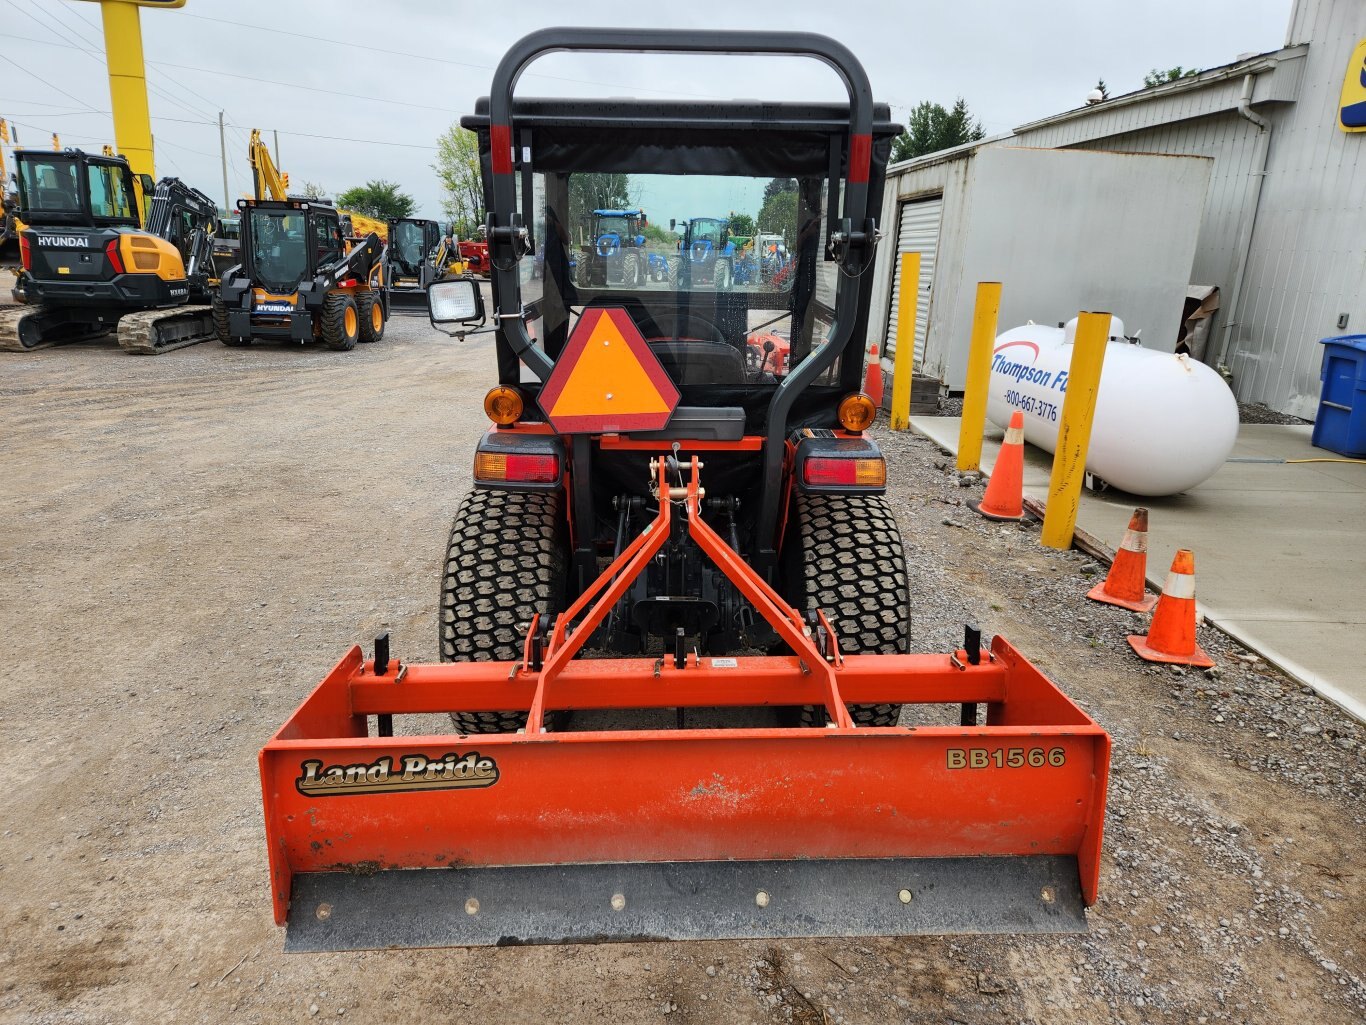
(25, 328)
(152, 331)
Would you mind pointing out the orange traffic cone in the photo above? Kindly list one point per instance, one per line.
(872, 380)
(1171, 636)
(1124, 584)
(1004, 499)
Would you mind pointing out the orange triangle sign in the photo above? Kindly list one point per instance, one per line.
(607, 379)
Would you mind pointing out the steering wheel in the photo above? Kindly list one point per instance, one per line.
(696, 325)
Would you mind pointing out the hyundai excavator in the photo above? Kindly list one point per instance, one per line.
(90, 266)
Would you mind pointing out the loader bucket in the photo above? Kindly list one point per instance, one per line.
(407, 297)
(616, 835)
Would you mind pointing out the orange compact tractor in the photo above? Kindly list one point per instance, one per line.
(674, 616)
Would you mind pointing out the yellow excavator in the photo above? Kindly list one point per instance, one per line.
(10, 225)
(91, 263)
(272, 183)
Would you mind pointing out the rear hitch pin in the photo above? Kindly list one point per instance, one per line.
(972, 647)
(384, 721)
(382, 654)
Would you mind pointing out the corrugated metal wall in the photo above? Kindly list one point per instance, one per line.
(1308, 259)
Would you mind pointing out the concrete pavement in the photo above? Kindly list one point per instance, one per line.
(1280, 547)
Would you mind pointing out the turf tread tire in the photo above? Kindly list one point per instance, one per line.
(853, 566)
(334, 322)
(505, 562)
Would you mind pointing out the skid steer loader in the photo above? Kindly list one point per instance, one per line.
(300, 280)
(417, 254)
(90, 267)
(716, 535)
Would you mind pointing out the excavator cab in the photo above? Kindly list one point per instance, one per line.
(89, 264)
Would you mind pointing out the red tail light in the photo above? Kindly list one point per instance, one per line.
(25, 255)
(825, 472)
(111, 252)
(516, 467)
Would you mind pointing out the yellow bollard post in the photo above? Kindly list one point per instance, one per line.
(1074, 432)
(904, 367)
(128, 84)
(979, 373)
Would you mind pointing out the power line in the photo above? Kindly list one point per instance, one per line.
(36, 103)
(213, 104)
(445, 60)
(296, 85)
(230, 74)
(97, 55)
(38, 128)
(45, 82)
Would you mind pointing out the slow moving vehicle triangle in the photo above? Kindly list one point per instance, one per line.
(607, 379)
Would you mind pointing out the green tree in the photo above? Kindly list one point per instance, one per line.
(659, 234)
(778, 215)
(931, 128)
(457, 168)
(379, 199)
(1157, 77)
(777, 185)
(742, 224)
(1103, 89)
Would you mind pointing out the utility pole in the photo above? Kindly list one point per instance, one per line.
(223, 154)
(276, 132)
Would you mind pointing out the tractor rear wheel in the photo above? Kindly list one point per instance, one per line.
(847, 560)
(505, 562)
(341, 321)
(220, 326)
(371, 312)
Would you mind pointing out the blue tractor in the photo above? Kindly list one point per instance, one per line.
(706, 254)
(615, 253)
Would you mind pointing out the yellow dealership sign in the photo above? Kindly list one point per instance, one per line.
(1352, 106)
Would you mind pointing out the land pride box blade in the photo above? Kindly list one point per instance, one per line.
(545, 837)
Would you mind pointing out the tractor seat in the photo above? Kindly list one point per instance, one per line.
(699, 361)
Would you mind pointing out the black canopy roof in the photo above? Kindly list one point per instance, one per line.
(672, 137)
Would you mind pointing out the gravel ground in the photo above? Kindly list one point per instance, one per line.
(194, 538)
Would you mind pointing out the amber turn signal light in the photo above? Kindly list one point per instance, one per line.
(857, 412)
(503, 405)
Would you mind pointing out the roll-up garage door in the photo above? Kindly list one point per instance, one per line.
(917, 232)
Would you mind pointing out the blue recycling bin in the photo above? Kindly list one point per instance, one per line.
(1341, 424)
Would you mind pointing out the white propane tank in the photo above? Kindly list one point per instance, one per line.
(1163, 423)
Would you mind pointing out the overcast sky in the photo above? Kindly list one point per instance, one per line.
(390, 76)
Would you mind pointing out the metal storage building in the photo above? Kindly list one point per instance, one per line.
(1283, 228)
